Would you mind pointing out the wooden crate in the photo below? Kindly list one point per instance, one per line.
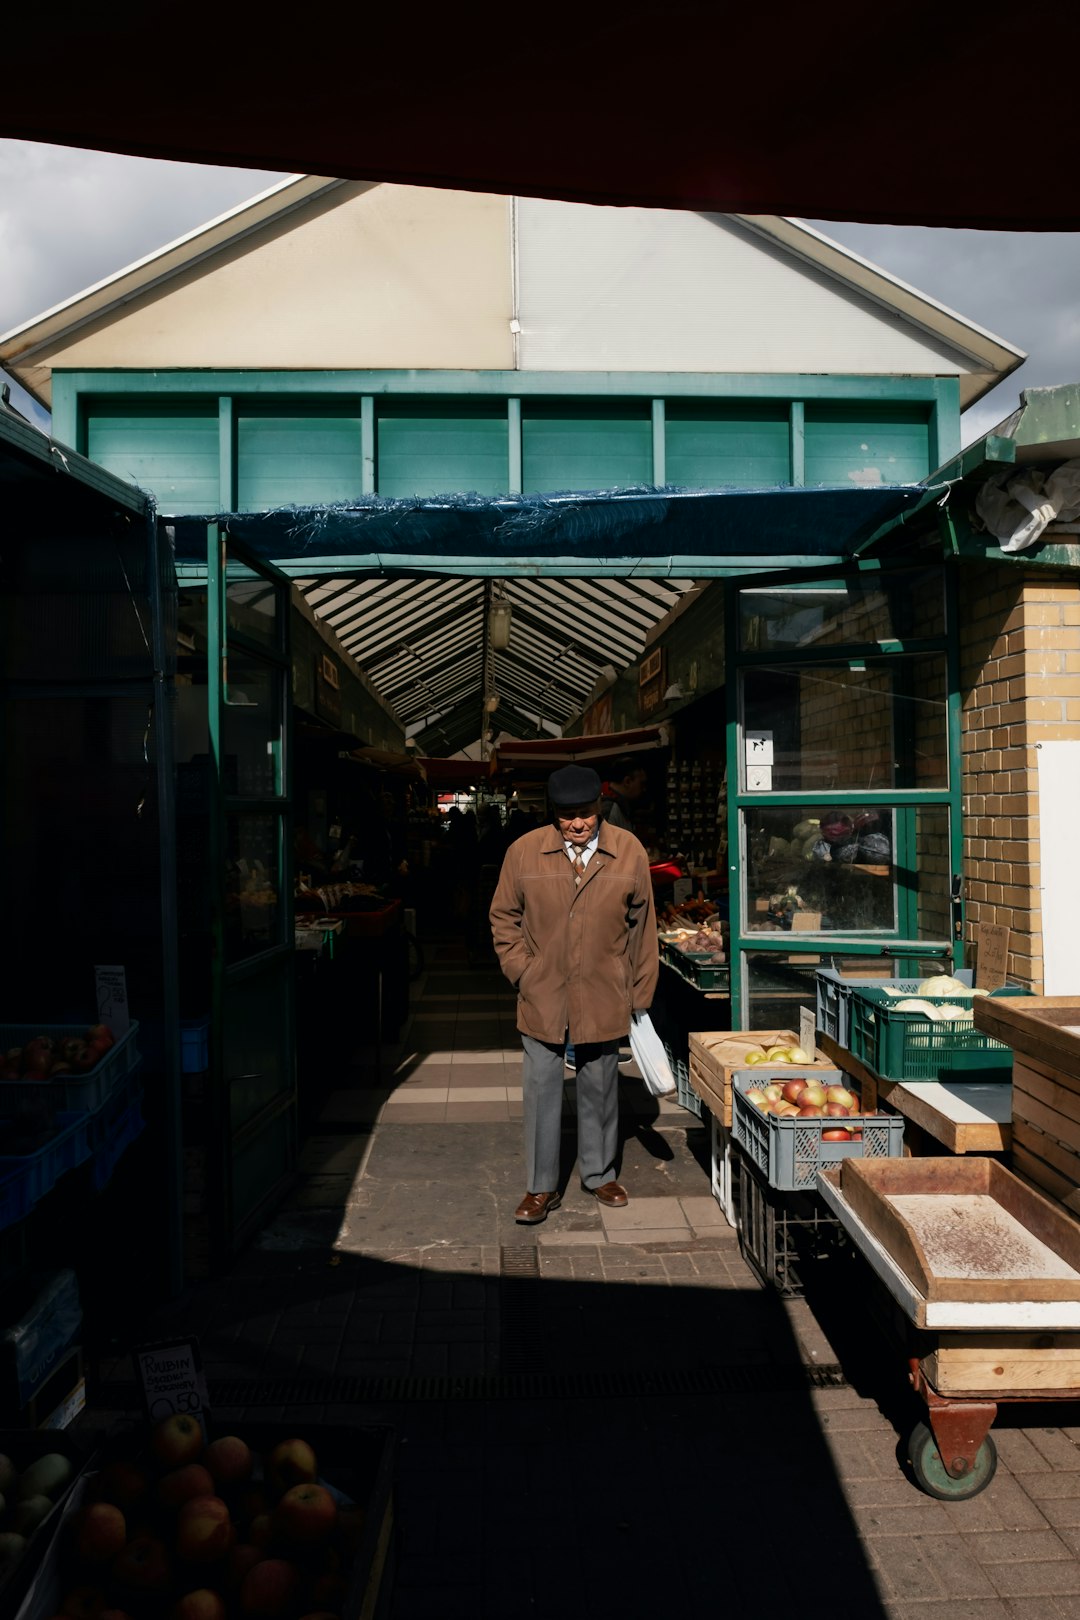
(1043, 1028)
(1005, 1364)
(716, 1054)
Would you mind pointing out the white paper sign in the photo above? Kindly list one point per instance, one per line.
(759, 778)
(171, 1378)
(682, 888)
(807, 1031)
(759, 746)
(112, 1001)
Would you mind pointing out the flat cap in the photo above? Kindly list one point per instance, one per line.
(573, 784)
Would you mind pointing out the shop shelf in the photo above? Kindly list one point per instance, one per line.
(910, 1046)
(700, 969)
(834, 990)
(25, 1098)
(194, 1045)
(790, 1152)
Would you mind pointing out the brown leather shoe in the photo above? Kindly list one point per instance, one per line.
(536, 1207)
(610, 1194)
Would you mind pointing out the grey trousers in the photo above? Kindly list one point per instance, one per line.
(597, 1111)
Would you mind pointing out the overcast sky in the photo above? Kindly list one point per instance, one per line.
(68, 218)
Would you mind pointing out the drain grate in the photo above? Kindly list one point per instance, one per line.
(523, 1260)
(721, 1382)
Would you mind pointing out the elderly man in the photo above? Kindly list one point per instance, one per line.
(575, 933)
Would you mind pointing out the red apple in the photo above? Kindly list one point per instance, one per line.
(813, 1095)
(811, 1111)
(270, 1589)
(305, 1515)
(100, 1035)
(229, 1460)
(201, 1604)
(793, 1089)
(204, 1531)
(123, 1483)
(177, 1439)
(841, 1095)
(100, 1533)
(184, 1485)
(244, 1556)
(758, 1098)
(292, 1462)
(835, 1111)
(144, 1565)
(836, 1133)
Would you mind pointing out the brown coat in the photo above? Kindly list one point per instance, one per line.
(583, 957)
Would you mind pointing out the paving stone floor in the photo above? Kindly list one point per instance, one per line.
(605, 1414)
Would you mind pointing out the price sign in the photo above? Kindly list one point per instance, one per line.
(112, 1001)
(171, 1378)
(682, 888)
(808, 1031)
(993, 957)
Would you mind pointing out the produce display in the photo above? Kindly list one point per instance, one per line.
(27, 1497)
(185, 1530)
(802, 1097)
(45, 1058)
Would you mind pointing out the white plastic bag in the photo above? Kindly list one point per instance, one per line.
(648, 1050)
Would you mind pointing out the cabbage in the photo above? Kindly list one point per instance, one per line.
(952, 1013)
(913, 1004)
(942, 984)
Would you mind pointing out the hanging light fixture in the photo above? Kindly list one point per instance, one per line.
(499, 615)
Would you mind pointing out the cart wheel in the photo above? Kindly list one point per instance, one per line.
(929, 1470)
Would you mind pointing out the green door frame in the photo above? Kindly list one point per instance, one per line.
(902, 942)
(222, 552)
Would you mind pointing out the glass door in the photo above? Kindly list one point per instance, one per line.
(844, 826)
(250, 707)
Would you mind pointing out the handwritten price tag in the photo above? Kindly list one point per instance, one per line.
(171, 1377)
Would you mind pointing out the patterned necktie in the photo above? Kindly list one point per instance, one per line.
(579, 869)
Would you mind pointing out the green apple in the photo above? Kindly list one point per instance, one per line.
(46, 1476)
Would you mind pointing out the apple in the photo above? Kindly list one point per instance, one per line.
(12, 1547)
(774, 1092)
(754, 1057)
(244, 1556)
(813, 1096)
(84, 1603)
(758, 1098)
(793, 1089)
(100, 1533)
(177, 1439)
(785, 1110)
(841, 1095)
(261, 1531)
(835, 1111)
(204, 1531)
(836, 1133)
(201, 1604)
(100, 1035)
(229, 1460)
(184, 1485)
(810, 1111)
(144, 1565)
(270, 1589)
(305, 1516)
(30, 1511)
(291, 1462)
(124, 1483)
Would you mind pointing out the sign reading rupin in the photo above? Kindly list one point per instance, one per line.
(171, 1378)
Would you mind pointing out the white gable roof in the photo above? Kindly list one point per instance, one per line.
(319, 274)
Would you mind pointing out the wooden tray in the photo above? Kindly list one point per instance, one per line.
(966, 1229)
(1046, 1028)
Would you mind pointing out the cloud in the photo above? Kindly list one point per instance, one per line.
(68, 217)
(1023, 286)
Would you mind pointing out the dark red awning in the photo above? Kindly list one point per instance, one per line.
(922, 114)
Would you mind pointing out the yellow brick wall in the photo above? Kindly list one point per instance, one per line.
(1020, 684)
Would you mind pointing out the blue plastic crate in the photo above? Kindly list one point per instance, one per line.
(125, 1130)
(195, 1045)
(40, 1171)
(15, 1200)
(789, 1152)
(834, 992)
(68, 1092)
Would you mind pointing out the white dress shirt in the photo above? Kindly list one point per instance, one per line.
(584, 851)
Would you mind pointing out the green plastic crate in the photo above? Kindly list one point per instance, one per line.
(910, 1046)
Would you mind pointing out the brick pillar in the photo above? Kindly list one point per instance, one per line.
(1020, 683)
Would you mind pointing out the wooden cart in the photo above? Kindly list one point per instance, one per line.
(987, 1273)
